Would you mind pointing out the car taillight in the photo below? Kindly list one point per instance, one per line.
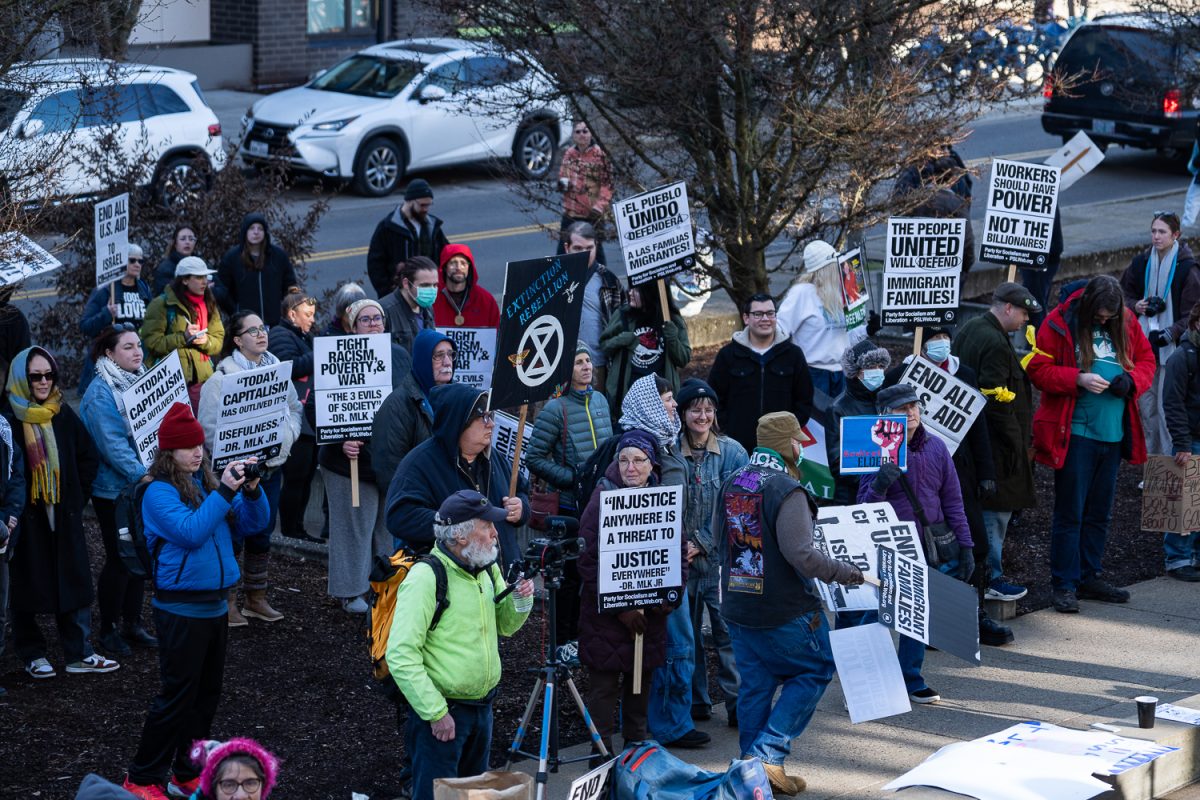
(214, 130)
(1048, 87)
(1171, 101)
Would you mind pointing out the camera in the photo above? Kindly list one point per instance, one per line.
(253, 469)
(1155, 305)
(549, 554)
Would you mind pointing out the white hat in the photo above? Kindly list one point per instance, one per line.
(135, 251)
(192, 265)
(818, 254)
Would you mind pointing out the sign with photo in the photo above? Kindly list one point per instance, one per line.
(474, 355)
(1020, 213)
(640, 544)
(869, 442)
(253, 414)
(927, 605)
(922, 270)
(149, 400)
(949, 407)
(112, 238)
(352, 375)
(853, 280)
(655, 230)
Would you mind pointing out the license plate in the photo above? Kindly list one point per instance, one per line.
(258, 148)
(1104, 126)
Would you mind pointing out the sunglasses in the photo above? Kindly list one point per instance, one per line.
(38, 377)
(136, 260)
(488, 417)
(1171, 215)
(124, 327)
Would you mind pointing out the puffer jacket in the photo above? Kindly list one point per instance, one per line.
(260, 291)
(856, 401)
(587, 426)
(210, 412)
(165, 329)
(403, 421)
(119, 462)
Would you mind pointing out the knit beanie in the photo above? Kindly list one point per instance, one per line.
(692, 390)
(208, 755)
(776, 431)
(864, 355)
(818, 254)
(179, 429)
(417, 189)
(642, 441)
(357, 307)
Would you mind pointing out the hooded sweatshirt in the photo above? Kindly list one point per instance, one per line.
(477, 308)
(422, 359)
(261, 291)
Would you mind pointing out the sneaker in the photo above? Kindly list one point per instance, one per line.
(1065, 601)
(150, 791)
(1186, 573)
(924, 696)
(113, 644)
(40, 669)
(178, 788)
(568, 654)
(690, 740)
(354, 605)
(93, 663)
(701, 712)
(1000, 589)
(994, 634)
(1102, 590)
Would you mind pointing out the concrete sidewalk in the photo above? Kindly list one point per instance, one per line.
(1070, 670)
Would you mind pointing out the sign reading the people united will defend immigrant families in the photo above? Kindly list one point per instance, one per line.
(641, 560)
(927, 605)
(539, 327)
(871, 441)
(851, 534)
(353, 376)
(1020, 213)
(504, 440)
(253, 415)
(948, 406)
(149, 400)
(112, 238)
(21, 258)
(474, 355)
(655, 229)
(922, 270)
(1171, 495)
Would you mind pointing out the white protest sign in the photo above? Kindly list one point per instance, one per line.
(928, 605)
(655, 230)
(592, 785)
(253, 414)
(21, 258)
(1188, 716)
(1020, 213)
(949, 407)
(922, 270)
(474, 354)
(641, 560)
(149, 400)
(112, 238)
(852, 534)
(869, 672)
(504, 440)
(352, 377)
(1112, 754)
(1075, 159)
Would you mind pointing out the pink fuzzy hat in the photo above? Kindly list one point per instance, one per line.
(208, 755)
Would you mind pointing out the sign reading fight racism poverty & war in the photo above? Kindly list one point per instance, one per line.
(869, 442)
(539, 326)
(1171, 495)
(641, 560)
(149, 400)
(924, 604)
(474, 355)
(655, 229)
(112, 238)
(948, 406)
(504, 440)
(1020, 214)
(851, 534)
(353, 376)
(21, 258)
(253, 415)
(922, 270)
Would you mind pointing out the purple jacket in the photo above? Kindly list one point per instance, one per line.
(933, 480)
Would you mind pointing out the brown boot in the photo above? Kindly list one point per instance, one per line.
(257, 607)
(236, 620)
(781, 782)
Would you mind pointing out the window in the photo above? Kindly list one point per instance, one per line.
(58, 112)
(368, 76)
(162, 100)
(487, 71)
(339, 16)
(10, 103)
(451, 76)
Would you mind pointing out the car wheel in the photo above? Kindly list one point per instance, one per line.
(378, 168)
(181, 180)
(533, 151)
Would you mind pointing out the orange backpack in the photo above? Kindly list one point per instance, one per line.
(386, 576)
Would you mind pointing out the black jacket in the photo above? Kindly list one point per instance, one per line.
(1181, 396)
(394, 242)
(260, 291)
(287, 343)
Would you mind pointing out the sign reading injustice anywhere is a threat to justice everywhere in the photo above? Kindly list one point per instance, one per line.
(924, 604)
(948, 406)
(641, 560)
(112, 238)
(922, 270)
(869, 442)
(474, 355)
(655, 229)
(149, 400)
(253, 415)
(352, 377)
(851, 534)
(1020, 214)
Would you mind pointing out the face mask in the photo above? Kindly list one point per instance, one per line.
(938, 351)
(426, 295)
(871, 378)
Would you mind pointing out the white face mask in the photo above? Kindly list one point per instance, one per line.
(938, 351)
(871, 378)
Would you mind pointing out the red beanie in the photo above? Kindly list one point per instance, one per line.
(179, 430)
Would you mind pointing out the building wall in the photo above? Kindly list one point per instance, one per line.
(172, 22)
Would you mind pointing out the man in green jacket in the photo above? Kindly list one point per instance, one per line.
(449, 674)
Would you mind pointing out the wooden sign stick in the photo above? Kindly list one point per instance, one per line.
(1012, 273)
(918, 340)
(354, 482)
(516, 467)
(662, 299)
(637, 662)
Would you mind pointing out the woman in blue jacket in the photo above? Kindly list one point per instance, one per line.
(187, 517)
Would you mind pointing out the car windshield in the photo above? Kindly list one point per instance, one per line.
(10, 103)
(368, 76)
(1119, 49)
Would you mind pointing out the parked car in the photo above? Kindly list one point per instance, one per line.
(1120, 78)
(406, 105)
(53, 113)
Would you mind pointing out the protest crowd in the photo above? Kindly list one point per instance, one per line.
(1112, 374)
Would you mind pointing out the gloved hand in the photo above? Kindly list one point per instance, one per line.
(874, 323)
(1122, 385)
(670, 331)
(888, 474)
(966, 563)
(855, 580)
(623, 339)
(987, 489)
(635, 621)
(1159, 338)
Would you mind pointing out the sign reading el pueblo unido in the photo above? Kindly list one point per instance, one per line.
(539, 326)
(655, 229)
(1019, 222)
(149, 400)
(253, 414)
(922, 270)
(640, 547)
(353, 376)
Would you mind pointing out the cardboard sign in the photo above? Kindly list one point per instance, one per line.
(593, 785)
(655, 229)
(949, 407)
(1171, 495)
(504, 440)
(149, 400)
(869, 442)
(253, 415)
(1111, 754)
(641, 561)
(352, 375)
(1075, 159)
(854, 294)
(539, 327)
(869, 672)
(1020, 213)
(474, 355)
(923, 604)
(852, 534)
(21, 258)
(922, 270)
(112, 238)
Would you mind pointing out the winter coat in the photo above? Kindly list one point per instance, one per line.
(460, 658)
(750, 384)
(587, 426)
(400, 322)
(855, 401)
(109, 430)
(589, 181)
(50, 571)
(14, 332)
(1185, 286)
(1054, 371)
(97, 317)
(261, 291)
(479, 309)
(12, 492)
(702, 492)
(983, 346)
(393, 242)
(210, 412)
(619, 342)
(1181, 396)
(287, 343)
(165, 329)
(164, 271)
(433, 470)
(401, 423)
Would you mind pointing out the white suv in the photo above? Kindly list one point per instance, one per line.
(407, 105)
(55, 111)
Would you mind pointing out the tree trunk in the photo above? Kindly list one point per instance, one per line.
(747, 271)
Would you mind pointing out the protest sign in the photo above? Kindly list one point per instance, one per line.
(593, 785)
(1171, 495)
(474, 354)
(112, 238)
(655, 230)
(1076, 158)
(1187, 716)
(815, 474)
(21, 258)
(922, 271)
(948, 406)
(504, 440)
(869, 442)
(253, 414)
(352, 376)
(641, 556)
(924, 604)
(854, 294)
(1020, 214)
(539, 327)
(851, 534)
(1110, 754)
(869, 672)
(149, 400)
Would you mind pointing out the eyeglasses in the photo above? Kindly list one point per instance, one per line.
(444, 356)
(370, 320)
(488, 417)
(259, 330)
(124, 327)
(38, 377)
(762, 315)
(637, 462)
(249, 785)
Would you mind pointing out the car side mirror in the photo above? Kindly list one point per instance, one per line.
(432, 93)
(32, 128)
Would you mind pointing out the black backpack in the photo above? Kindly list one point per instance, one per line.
(593, 470)
(131, 537)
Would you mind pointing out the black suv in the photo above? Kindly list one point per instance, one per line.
(1119, 78)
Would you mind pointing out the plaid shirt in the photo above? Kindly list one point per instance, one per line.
(589, 181)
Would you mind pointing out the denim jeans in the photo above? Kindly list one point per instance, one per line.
(795, 656)
(909, 652)
(461, 757)
(704, 591)
(670, 711)
(1182, 549)
(1084, 490)
(74, 631)
(996, 524)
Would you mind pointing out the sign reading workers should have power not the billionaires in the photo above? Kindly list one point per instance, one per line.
(922, 270)
(1020, 214)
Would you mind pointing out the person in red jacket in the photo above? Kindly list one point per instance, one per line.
(1087, 422)
(461, 301)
